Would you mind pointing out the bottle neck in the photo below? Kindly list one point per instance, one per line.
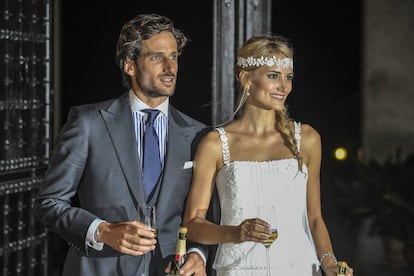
(181, 245)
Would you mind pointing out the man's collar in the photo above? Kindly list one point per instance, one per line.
(138, 105)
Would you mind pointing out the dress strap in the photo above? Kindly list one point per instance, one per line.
(297, 133)
(224, 145)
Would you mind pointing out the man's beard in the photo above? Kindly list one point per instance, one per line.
(152, 91)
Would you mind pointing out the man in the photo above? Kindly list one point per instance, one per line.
(100, 163)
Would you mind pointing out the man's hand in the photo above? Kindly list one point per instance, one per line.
(194, 265)
(131, 237)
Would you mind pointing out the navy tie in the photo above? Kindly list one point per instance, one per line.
(152, 163)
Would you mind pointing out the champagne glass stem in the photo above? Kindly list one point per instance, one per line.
(268, 261)
(146, 215)
(144, 271)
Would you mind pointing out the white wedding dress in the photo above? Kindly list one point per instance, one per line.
(245, 186)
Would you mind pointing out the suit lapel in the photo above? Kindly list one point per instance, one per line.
(120, 125)
(179, 141)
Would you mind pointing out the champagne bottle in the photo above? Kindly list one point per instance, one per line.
(180, 252)
(342, 268)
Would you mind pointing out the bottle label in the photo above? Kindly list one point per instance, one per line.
(180, 251)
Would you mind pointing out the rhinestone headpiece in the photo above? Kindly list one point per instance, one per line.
(268, 61)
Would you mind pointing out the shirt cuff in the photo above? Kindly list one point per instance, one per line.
(90, 235)
(196, 250)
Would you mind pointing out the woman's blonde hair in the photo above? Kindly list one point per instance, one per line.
(268, 46)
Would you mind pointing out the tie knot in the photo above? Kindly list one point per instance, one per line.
(152, 114)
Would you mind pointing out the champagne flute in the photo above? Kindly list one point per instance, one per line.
(146, 215)
(270, 217)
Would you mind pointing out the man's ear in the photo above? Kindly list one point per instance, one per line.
(130, 67)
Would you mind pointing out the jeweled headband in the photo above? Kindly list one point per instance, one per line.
(269, 61)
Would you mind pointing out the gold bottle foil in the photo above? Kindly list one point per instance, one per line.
(342, 268)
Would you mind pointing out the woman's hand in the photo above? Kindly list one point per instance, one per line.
(256, 230)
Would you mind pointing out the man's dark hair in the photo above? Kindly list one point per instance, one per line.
(140, 28)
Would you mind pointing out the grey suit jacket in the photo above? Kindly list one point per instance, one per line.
(95, 173)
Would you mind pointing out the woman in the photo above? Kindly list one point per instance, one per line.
(263, 163)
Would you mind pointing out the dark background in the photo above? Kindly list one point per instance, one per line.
(89, 36)
(326, 37)
(326, 91)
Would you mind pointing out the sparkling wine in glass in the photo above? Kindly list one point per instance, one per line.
(267, 243)
(146, 215)
(269, 215)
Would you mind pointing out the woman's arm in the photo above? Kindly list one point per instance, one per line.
(207, 162)
(311, 150)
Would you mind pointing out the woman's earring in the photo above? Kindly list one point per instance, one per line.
(248, 94)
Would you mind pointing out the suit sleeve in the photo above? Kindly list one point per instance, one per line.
(55, 203)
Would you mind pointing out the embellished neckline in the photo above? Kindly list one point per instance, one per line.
(263, 161)
(288, 161)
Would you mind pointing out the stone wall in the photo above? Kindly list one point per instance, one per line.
(387, 77)
(387, 105)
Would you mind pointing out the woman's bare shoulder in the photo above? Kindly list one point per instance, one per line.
(211, 139)
(310, 136)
